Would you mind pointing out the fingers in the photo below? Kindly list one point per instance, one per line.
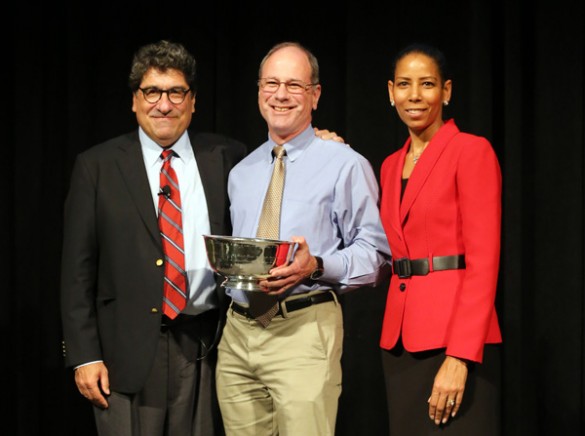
(328, 135)
(447, 391)
(92, 382)
(439, 408)
(286, 276)
(301, 256)
(95, 396)
(278, 285)
(444, 406)
(336, 138)
(455, 405)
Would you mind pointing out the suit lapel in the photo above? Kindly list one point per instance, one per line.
(211, 169)
(134, 175)
(425, 166)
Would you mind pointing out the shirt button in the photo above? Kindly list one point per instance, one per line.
(402, 287)
(159, 262)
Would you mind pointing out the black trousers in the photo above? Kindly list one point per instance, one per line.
(179, 397)
(409, 380)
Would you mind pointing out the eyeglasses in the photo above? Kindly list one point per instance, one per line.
(175, 95)
(293, 86)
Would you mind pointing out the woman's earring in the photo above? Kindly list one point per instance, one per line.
(392, 103)
(446, 103)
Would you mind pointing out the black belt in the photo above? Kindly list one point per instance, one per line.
(405, 267)
(182, 319)
(290, 305)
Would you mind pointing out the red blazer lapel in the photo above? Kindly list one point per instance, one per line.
(424, 166)
(396, 185)
(390, 196)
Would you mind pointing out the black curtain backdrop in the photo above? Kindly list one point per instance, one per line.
(518, 80)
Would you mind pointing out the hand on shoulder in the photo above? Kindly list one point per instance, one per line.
(328, 135)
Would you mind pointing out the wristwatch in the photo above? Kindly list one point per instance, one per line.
(316, 275)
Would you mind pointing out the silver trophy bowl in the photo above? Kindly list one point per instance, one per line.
(244, 262)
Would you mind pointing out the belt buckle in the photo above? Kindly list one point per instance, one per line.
(402, 267)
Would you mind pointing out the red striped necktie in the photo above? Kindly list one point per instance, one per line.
(171, 230)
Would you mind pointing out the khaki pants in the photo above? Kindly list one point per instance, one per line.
(284, 379)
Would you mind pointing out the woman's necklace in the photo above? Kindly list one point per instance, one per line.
(416, 157)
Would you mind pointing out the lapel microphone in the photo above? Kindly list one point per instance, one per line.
(166, 191)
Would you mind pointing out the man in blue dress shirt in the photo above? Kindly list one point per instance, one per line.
(285, 378)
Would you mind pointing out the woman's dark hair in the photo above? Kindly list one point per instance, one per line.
(162, 56)
(427, 50)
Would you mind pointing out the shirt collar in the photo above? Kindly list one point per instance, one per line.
(151, 150)
(295, 147)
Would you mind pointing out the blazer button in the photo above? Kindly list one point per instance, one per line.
(154, 310)
(159, 262)
(402, 287)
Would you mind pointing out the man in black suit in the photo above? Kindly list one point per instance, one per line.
(145, 372)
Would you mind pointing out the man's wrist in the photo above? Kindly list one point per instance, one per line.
(318, 271)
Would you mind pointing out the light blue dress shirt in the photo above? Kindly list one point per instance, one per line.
(194, 214)
(330, 198)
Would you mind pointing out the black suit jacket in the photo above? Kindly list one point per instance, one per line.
(112, 274)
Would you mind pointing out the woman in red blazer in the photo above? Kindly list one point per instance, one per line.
(441, 210)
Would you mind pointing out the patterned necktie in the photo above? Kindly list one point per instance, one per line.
(171, 231)
(263, 307)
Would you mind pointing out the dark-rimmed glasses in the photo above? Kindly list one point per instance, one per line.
(292, 86)
(175, 95)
